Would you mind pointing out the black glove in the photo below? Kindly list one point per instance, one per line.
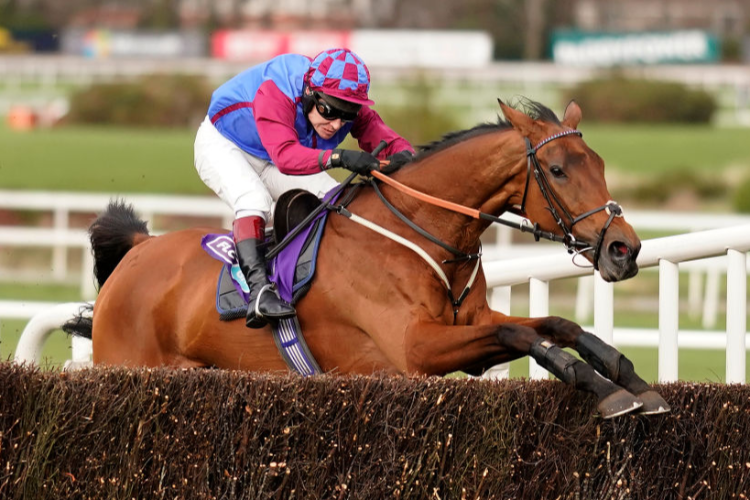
(401, 157)
(397, 160)
(356, 161)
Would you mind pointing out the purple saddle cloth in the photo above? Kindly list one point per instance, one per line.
(291, 270)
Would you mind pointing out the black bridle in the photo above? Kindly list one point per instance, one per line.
(571, 243)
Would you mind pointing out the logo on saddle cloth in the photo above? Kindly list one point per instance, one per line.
(221, 248)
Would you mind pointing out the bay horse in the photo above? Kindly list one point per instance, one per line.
(376, 305)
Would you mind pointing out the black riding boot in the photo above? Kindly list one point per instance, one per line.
(264, 303)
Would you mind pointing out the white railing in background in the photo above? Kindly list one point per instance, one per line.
(42, 325)
(666, 253)
(23, 309)
(703, 304)
(61, 237)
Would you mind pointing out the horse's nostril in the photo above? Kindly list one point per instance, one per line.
(619, 250)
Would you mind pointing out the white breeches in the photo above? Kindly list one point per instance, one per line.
(248, 184)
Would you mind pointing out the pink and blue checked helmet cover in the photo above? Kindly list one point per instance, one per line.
(340, 73)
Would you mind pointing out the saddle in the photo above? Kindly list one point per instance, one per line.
(291, 270)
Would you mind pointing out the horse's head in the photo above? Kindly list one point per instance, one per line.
(564, 191)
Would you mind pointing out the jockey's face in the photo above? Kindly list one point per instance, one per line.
(325, 128)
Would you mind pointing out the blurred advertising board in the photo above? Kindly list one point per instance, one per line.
(10, 45)
(6, 40)
(101, 43)
(254, 46)
(37, 40)
(577, 48)
(424, 49)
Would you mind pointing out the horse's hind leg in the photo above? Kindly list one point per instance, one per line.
(613, 399)
(615, 366)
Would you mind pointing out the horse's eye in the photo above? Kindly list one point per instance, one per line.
(557, 172)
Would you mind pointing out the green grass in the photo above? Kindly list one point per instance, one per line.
(651, 149)
(100, 159)
(110, 159)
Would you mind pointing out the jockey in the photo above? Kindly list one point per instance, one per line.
(275, 127)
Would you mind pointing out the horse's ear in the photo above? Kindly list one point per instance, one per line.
(520, 121)
(572, 115)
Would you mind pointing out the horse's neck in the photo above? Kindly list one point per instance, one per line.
(482, 173)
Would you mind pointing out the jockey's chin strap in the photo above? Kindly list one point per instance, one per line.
(574, 246)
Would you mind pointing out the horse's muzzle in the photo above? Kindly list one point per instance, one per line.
(617, 261)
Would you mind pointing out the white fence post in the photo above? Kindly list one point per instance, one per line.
(60, 250)
(604, 309)
(736, 316)
(695, 293)
(584, 298)
(538, 307)
(499, 300)
(711, 299)
(668, 320)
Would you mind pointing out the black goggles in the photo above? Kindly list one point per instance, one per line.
(331, 113)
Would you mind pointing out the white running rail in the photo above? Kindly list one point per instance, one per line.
(41, 326)
(664, 253)
(61, 237)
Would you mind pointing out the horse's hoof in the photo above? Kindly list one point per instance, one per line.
(653, 404)
(618, 403)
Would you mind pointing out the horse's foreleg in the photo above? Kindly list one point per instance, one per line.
(437, 349)
(615, 366)
(440, 349)
(613, 399)
(603, 357)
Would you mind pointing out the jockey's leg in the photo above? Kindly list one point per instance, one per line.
(236, 177)
(264, 303)
(278, 183)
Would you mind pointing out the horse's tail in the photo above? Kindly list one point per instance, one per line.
(113, 234)
(81, 325)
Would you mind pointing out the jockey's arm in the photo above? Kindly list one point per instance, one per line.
(274, 116)
(369, 129)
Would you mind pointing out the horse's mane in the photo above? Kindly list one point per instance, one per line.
(533, 109)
